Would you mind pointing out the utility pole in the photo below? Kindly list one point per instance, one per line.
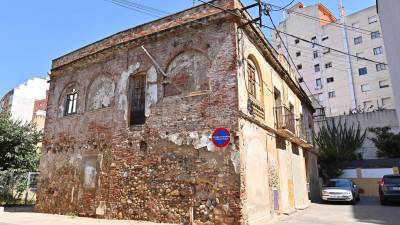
(342, 13)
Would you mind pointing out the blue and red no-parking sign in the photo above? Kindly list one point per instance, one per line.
(221, 137)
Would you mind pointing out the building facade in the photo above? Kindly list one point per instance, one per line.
(130, 119)
(21, 100)
(390, 18)
(338, 82)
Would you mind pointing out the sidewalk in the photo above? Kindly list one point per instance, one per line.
(29, 218)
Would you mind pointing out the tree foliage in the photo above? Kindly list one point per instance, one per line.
(337, 143)
(388, 143)
(18, 144)
(18, 155)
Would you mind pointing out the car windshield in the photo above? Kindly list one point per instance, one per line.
(391, 180)
(338, 183)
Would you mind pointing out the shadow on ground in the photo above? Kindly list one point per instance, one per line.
(370, 211)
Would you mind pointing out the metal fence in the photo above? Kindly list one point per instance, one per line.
(18, 188)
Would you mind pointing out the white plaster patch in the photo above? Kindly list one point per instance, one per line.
(197, 139)
(122, 88)
(235, 158)
(151, 91)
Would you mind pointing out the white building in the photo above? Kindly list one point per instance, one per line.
(339, 82)
(20, 101)
(389, 15)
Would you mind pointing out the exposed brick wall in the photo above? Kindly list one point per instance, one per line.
(157, 171)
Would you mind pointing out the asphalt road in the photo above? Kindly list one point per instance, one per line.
(366, 212)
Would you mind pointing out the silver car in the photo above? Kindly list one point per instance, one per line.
(340, 190)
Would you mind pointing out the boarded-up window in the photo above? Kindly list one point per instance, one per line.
(137, 90)
(254, 81)
(101, 93)
(186, 73)
(251, 71)
(89, 173)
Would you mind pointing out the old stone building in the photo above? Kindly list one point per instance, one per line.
(128, 128)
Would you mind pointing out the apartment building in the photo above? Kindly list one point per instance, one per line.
(388, 11)
(130, 121)
(338, 82)
(21, 101)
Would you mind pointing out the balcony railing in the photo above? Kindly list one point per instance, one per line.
(255, 109)
(284, 119)
(301, 130)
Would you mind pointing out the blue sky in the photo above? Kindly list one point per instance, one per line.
(35, 32)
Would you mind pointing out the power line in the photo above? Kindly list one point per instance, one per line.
(294, 36)
(150, 11)
(291, 59)
(324, 46)
(323, 20)
(122, 4)
(224, 10)
(284, 7)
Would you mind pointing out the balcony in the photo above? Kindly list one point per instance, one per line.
(284, 122)
(304, 136)
(255, 109)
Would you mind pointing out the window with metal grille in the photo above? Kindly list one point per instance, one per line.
(137, 90)
(71, 102)
(251, 71)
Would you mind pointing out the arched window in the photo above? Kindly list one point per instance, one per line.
(71, 102)
(101, 93)
(187, 72)
(137, 98)
(68, 101)
(254, 80)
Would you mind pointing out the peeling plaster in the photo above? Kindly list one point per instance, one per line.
(151, 91)
(235, 158)
(101, 93)
(197, 139)
(122, 88)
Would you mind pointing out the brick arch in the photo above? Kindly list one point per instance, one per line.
(101, 92)
(62, 99)
(187, 72)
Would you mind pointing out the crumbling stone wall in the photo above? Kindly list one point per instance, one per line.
(95, 164)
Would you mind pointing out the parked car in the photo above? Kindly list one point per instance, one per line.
(389, 188)
(340, 190)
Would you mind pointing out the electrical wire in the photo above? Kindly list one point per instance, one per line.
(360, 30)
(284, 7)
(291, 59)
(147, 10)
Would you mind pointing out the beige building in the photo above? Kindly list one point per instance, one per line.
(339, 83)
(388, 11)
